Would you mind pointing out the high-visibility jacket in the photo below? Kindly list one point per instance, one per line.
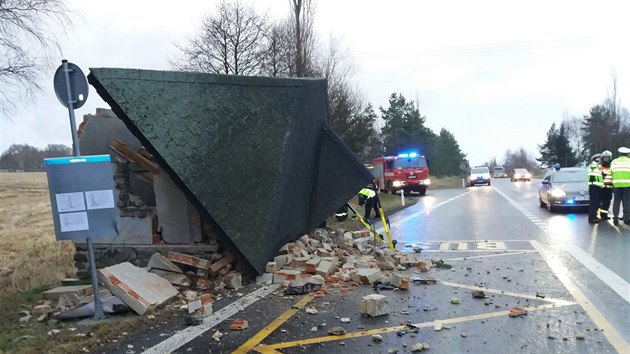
(595, 175)
(620, 168)
(606, 176)
(368, 193)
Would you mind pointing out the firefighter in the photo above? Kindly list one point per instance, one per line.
(607, 188)
(369, 197)
(342, 213)
(595, 184)
(620, 168)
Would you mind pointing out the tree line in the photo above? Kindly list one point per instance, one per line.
(605, 127)
(27, 158)
(576, 139)
(236, 39)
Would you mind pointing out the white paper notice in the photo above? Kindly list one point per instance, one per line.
(70, 202)
(73, 222)
(103, 199)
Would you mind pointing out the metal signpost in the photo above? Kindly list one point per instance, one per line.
(72, 89)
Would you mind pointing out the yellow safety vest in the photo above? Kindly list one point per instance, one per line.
(368, 193)
(621, 172)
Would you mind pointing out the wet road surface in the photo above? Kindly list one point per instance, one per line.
(571, 276)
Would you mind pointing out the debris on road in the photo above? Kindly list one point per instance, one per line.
(216, 336)
(418, 347)
(337, 331)
(455, 301)
(478, 294)
(311, 311)
(517, 311)
(377, 338)
(441, 265)
(375, 305)
(580, 335)
(423, 281)
(239, 324)
(437, 325)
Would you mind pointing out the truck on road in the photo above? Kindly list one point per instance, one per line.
(406, 171)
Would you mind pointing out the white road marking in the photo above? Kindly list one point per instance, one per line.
(610, 278)
(184, 336)
(488, 255)
(562, 273)
(423, 211)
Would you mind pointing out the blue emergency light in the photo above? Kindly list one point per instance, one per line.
(410, 154)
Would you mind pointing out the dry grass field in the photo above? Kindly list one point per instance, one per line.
(29, 254)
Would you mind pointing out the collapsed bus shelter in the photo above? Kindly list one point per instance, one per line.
(254, 156)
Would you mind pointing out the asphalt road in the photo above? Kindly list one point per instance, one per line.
(572, 277)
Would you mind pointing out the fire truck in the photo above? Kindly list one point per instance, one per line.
(407, 171)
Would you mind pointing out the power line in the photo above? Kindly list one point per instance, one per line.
(478, 49)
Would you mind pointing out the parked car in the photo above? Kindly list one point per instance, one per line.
(520, 174)
(479, 175)
(564, 188)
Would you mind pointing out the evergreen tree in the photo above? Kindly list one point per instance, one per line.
(557, 148)
(404, 128)
(599, 128)
(447, 157)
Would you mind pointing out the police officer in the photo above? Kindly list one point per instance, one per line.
(620, 168)
(595, 184)
(606, 192)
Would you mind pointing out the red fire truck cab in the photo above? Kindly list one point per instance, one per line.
(408, 171)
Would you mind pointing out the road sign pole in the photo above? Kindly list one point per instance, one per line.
(73, 126)
(98, 306)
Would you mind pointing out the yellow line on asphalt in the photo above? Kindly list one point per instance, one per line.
(489, 255)
(508, 293)
(260, 336)
(561, 272)
(274, 347)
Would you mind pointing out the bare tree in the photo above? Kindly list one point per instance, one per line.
(232, 41)
(28, 31)
(519, 159)
(575, 133)
(277, 59)
(302, 14)
(350, 116)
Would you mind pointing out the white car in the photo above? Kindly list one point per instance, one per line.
(479, 175)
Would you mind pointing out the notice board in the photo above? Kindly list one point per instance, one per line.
(82, 196)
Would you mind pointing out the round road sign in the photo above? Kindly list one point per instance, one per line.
(76, 86)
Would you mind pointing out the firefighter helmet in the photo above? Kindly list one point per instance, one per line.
(596, 157)
(606, 154)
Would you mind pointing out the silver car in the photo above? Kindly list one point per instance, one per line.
(565, 188)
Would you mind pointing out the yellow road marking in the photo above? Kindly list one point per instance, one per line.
(508, 293)
(260, 336)
(489, 255)
(274, 347)
(561, 273)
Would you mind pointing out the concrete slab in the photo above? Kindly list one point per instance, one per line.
(172, 210)
(139, 289)
(79, 290)
(158, 261)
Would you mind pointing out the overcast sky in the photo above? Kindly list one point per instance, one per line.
(496, 74)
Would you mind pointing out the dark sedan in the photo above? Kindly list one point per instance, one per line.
(565, 188)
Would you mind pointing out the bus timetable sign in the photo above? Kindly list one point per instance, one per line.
(82, 196)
